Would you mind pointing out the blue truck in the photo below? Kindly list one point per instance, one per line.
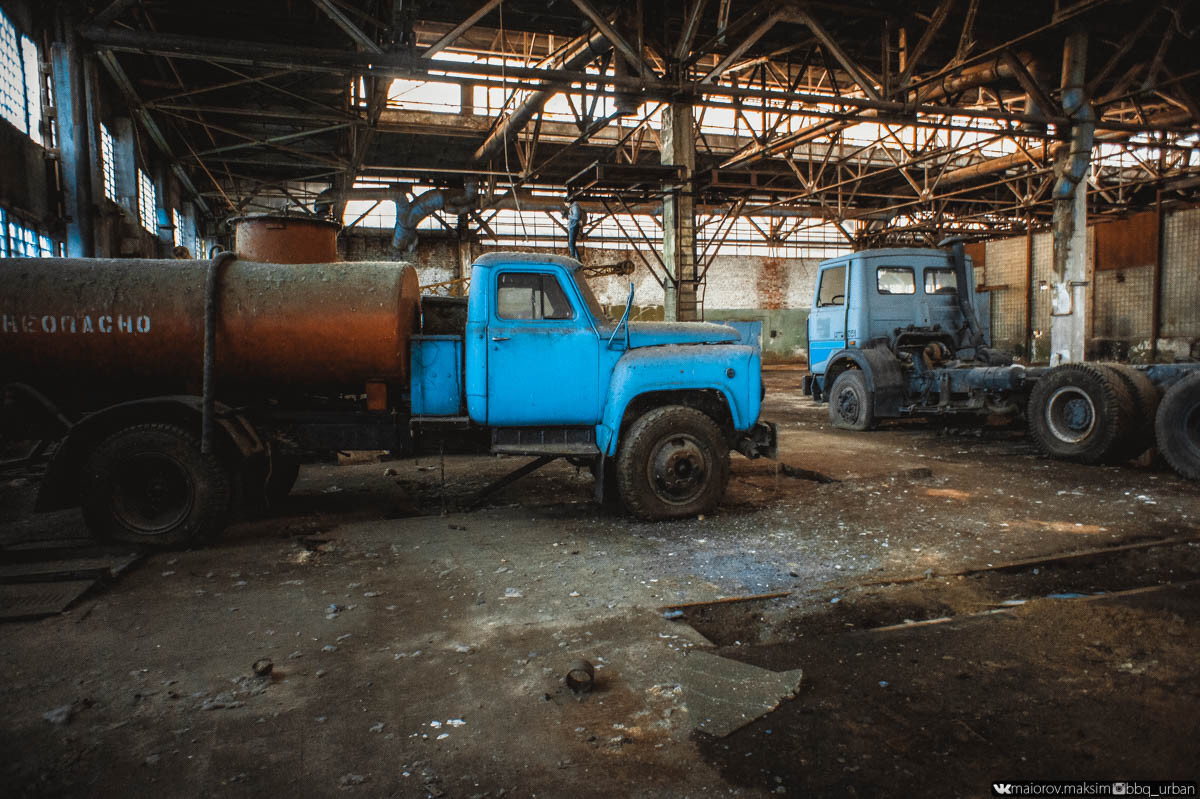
(902, 332)
(170, 395)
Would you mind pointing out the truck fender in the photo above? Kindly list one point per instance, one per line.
(884, 379)
(728, 376)
(60, 486)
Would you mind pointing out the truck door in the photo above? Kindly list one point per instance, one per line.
(827, 319)
(543, 353)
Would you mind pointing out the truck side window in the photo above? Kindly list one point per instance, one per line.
(833, 287)
(940, 281)
(896, 280)
(525, 295)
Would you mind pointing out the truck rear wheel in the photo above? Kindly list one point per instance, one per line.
(673, 463)
(851, 406)
(1177, 427)
(1140, 435)
(1078, 411)
(151, 484)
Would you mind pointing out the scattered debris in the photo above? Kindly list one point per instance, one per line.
(60, 716)
(581, 676)
(263, 667)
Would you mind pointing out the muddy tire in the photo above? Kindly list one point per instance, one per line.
(1177, 427)
(673, 463)
(1078, 412)
(150, 484)
(283, 470)
(851, 404)
(1139, 436)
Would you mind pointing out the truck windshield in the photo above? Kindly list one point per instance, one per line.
(593, 304)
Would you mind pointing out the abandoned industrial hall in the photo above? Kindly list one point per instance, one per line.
(599, 398)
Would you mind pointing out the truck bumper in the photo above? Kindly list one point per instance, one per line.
(760, 441)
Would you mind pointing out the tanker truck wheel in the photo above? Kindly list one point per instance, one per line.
(1177, 427)
(150, 484)
(1078, 411)
(851, 406)
(673, 463)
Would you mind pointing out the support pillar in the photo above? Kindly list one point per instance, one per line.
(679, 216)
(1069, 299)
(76, 163)
(1069, 282)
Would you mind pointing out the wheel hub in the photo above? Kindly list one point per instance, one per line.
(1070, 414)
(848, 405)
(153, 493)
(679, 469)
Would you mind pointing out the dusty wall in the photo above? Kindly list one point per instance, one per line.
(1121, 291)
(775, 291)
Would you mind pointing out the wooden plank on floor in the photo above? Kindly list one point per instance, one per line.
(20, 601)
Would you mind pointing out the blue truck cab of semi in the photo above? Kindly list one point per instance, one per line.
(903, 331)
(654, 408)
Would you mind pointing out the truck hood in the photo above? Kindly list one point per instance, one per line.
(651, 334)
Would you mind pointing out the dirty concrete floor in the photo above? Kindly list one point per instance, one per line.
(419, 650)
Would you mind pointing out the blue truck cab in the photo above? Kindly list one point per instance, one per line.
(653, 408)
(894, 327)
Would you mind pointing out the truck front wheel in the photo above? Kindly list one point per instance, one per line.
(151, 484)
(851, 406)
(673, 463)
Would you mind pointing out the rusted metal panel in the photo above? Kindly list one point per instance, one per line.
(136, 325)
(1127, 243)
(285, 239)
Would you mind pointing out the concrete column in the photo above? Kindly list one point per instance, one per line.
(1069, 283)
(1068, 300)
(679, 216)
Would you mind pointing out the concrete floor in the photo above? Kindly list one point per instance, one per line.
(420, 651)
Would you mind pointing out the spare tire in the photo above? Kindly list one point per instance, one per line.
(1078, 411)
(1177, 426)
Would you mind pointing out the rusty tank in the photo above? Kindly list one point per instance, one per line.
(123, 326)
(280, 239)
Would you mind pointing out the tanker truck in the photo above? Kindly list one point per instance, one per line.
(169, 396)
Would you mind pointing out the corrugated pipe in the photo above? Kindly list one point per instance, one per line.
(410, 213)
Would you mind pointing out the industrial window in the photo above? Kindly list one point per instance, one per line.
(940, 281)
(833, 287)
(3, 236)
(531, 296)
(20, 81)
(108, 159)
(177, 227)
(22, 241)
(147, 202)
(895, 280)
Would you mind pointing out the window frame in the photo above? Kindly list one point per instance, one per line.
(930, 270)
(821, 285)
(147, 216)
(912, 274)
(542, 319)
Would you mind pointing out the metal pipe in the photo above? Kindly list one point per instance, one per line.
(1079, 156)
(973, 77)
(409, 214)
(579, 55)
(212, 286)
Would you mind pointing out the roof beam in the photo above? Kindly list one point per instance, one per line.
(614, 36)
(458, 30)
(348, 27)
